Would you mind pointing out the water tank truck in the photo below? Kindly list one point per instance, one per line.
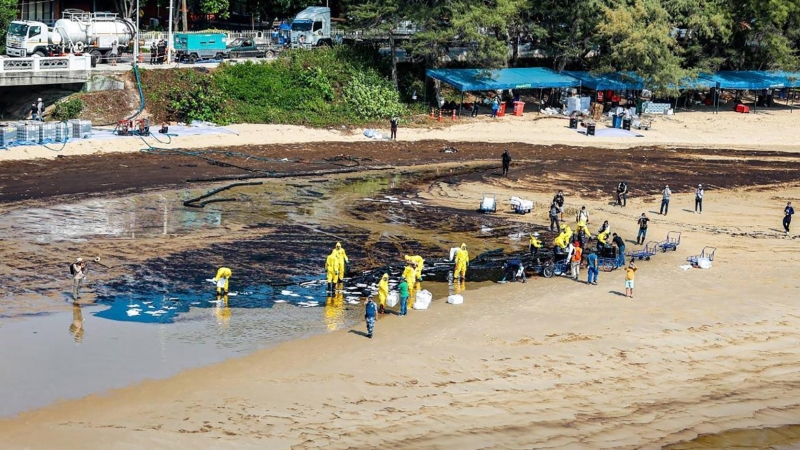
(76, 32)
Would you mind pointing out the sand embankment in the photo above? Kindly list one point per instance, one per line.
(767, 129)
(547, 364)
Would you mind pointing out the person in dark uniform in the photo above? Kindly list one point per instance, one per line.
(622, 194)
(393, 124)
(506, 162)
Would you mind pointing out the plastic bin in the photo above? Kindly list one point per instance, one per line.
(626, 124)
(518, 108)
(47, 133)
(573, 122)
(590, 129)
(616, 121)
(502, 111)
(63, 132)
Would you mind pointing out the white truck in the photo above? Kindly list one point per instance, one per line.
(312, 28)
(76, 32)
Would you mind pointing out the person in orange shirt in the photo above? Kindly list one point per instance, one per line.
(630, 272)
(576, 260)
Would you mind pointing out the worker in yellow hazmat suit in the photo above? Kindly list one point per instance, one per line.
(332, 270)
(462, 261)
(567, 231)
(342, 259)
(561, 240)
(582, 226)
(223, 275)
(383, 293)
(602, 239)
(417, 261)
(410, 275)
(535, 245)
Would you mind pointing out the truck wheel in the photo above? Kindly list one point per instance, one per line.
(219, 57)
(38, 53)
(269, 54)
(96, 55)
(192, 58)
(323, 43)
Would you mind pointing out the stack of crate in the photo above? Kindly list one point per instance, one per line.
(81, 129)
(63, 132)
(28, 132)
(8, 134)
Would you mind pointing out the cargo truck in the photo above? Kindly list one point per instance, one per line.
(76, 32)
(193, 47)
(312, 28)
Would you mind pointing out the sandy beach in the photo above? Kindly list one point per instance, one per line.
(766, 129)
(552, 363)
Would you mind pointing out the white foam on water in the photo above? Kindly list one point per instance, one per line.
(309, 297)
(285, 292)
(280, 301)
(173, 298)
(233, 294)
(134, 312)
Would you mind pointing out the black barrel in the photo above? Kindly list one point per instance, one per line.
(626, 124)
(573, 122)
(590, 129)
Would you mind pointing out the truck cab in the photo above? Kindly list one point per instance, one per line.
(193, 47)
(27, 38)
(312, 28)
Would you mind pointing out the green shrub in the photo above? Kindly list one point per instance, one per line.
(320, 87)
(68, 108)
(371, 97)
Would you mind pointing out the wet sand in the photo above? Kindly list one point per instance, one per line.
(547, 364)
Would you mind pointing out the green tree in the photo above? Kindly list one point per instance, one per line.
(218, 7)
(637, 37)
(382, 16)
(766, 34)
(8, 12)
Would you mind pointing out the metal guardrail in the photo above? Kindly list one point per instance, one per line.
(36, 64)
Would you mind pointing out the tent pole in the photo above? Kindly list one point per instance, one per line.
(791, 107)
(540, 102)
(461, 106)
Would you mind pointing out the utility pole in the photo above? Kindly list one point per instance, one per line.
(136, 38)
(169, 35)
(185, 22)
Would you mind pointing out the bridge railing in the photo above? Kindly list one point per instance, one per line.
(44, 64)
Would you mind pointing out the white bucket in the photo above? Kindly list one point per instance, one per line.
(455, 299)
(453, 252)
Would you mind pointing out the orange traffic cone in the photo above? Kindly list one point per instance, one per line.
(454, 114)
(440, 115)
(432, 114)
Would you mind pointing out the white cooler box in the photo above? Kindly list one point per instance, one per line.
(423, 299)
(392, 299)
(456, 299)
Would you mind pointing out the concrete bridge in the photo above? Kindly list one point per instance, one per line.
(40, 71)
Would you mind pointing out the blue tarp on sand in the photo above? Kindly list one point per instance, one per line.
(487, 80)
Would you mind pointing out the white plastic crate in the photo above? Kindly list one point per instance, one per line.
(81, 129)
(7, 135)
(63, 132)
(47, 132)
(28, 132)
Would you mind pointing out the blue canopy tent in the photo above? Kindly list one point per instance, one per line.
(490, 80)
(604, 81)
(753, 80)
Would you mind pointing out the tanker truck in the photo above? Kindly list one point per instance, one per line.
(76, 32)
